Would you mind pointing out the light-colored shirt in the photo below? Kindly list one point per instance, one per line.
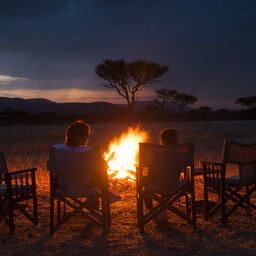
(70, 149)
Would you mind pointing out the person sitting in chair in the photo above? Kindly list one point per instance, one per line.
(167, 136)
(76, 139)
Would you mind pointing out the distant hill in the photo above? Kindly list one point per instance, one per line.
(40, 105)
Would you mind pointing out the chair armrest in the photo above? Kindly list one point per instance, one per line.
(213, 172)
(21, 183)
(211, 167)
(12, 175)
(210, 163)
(21, 171)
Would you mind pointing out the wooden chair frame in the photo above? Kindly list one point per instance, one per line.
(65, 206)
(166, 201)
(20, 188)
(215, 181)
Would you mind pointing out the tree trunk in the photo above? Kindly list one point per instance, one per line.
(162, 112)
(180, 108)
(130, 115)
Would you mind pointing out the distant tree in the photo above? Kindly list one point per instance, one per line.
(222, 113)
(205, 109)
(164, 96)
(129, 78)
(184, 99)
(249, 102)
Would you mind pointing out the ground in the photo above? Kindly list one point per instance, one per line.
(28, 147)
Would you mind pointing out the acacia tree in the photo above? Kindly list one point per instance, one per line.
(184, 99)
(129, 78)
(249, 102)
(164, 96)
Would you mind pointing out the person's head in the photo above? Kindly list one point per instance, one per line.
(77, 134)
(168, 136)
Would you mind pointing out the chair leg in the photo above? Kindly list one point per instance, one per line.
(51, 215)
(140, 214)
(59, 213)
(108, 209)
(223, 208)
(34, 198)
(193, 207)
(11, 220)
(35, 210)
(187, 205)
(139, 200)
(10, 206)
(206, 204)
(104, 210)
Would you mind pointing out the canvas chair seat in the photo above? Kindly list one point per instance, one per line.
(236, 180)
(19, 188)
(232, 180)
(236, 189)
(166, 162)
(151, 187)
(89, 193)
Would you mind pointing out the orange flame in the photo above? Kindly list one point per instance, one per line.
(123, 152)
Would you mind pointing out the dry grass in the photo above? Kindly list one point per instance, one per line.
(28, 147)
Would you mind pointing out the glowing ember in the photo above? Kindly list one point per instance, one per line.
(123, 153)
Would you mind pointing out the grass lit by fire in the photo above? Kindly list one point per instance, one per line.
(28, 147)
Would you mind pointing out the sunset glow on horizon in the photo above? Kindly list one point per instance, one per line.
(72, 95)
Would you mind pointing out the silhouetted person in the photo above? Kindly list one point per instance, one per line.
(76, 139)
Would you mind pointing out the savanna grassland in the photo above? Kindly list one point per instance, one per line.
(27, 146)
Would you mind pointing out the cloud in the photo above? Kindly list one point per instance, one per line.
(30, 8)
(4, 80)
(210, 47)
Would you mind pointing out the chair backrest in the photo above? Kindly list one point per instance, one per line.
(243, 155)
(3, 165)
(76, 168)
(167, 161)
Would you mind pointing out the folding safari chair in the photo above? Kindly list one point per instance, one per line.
(16, 190)
(77, 168)
(166, 161)
(237, 188)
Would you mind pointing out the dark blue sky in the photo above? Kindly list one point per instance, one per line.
(210, 46)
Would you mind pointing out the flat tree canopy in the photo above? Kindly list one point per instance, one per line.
(249, 102)
(184, 99)
(164, 96)
(129, 78)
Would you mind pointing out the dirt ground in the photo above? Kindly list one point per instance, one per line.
(176, 237)
(81, 237)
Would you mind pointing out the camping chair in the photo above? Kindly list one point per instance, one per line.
(236, 189)
(16, 189)
(73, 199)
(166, 161)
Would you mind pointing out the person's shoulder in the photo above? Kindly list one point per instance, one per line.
(65, 148)
(81, 149)
(60, 147)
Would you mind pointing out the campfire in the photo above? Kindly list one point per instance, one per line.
(122, 155)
